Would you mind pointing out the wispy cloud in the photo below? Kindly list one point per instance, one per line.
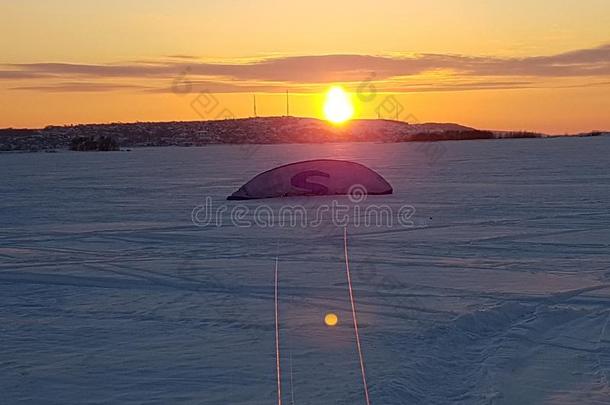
(306, 72)
(20, 74)
(79, 87)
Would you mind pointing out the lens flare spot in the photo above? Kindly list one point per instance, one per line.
(331, 319)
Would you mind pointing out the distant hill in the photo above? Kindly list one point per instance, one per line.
(264, 130)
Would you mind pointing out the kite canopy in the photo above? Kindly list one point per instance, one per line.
(311, 178)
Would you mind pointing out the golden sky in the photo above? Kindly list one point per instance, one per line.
(519, 65)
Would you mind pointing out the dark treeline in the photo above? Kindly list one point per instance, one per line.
(267, 130)
(91, 143)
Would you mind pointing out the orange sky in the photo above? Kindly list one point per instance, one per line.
(488, 64)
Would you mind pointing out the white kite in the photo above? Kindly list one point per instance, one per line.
(313, 178)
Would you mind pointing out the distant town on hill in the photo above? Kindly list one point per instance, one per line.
(267, 130)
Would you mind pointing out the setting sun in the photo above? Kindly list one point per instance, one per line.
(338, 107)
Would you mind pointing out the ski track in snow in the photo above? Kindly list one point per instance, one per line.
(499, 293)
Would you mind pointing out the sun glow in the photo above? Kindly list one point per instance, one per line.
(338, 107)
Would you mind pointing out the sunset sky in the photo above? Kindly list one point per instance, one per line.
(518, 65)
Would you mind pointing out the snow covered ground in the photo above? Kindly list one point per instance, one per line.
(498, 294)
